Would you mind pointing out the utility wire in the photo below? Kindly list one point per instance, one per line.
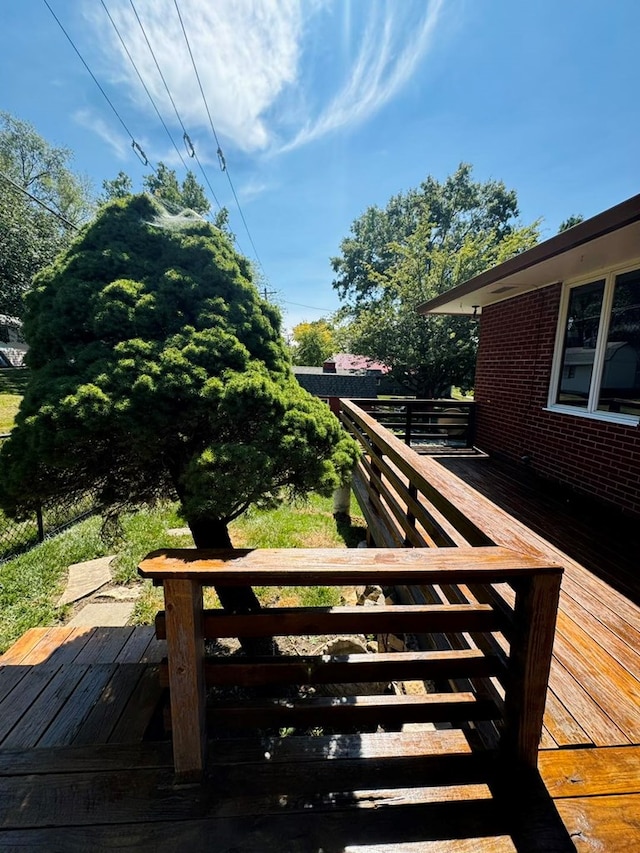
(38, 201)
(312, 307)
(137, 149)
(223, 164)
(186, 137)
(144, 85)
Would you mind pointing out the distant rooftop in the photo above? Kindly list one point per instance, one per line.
(350, 363)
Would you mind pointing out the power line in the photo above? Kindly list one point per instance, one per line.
(144, 85)
(38, 201)
(137, 149)
(186, 137)
(312, 307)
(223, 164)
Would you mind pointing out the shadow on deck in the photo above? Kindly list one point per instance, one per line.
(78, 771)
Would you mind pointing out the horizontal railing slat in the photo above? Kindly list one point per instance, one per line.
(355, 710)
(356, 668)
(283, 621)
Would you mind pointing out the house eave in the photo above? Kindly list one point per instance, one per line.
(611, 238)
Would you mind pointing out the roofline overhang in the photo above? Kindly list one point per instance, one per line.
(539, 263)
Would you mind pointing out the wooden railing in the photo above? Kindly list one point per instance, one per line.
(402, 506)
(410, 500)
(501, 680)
(424, 423)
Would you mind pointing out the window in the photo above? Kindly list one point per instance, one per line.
(597, 368)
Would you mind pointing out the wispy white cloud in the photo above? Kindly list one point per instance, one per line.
(254, 56)
(387, 57)
(118, 143)
(253, 189)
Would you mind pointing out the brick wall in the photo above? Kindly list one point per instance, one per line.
(512, 383)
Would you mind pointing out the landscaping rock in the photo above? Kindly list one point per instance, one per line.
(349, 646)
(179, 531)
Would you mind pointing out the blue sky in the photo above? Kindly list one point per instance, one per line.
(324, 107)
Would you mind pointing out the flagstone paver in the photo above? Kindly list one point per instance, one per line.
(85, 578)
(108, 615)
(120, 593)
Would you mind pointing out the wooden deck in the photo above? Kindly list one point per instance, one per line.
(593, 700)
(80, 772)
(605, 542)
(84, 762)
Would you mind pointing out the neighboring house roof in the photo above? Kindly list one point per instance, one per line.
(12, 354)
(12, 344)
(336, 384)
(348, 362)
(609, 239)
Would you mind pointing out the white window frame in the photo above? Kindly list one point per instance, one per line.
(591, 411)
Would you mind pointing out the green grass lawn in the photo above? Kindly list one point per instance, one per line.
(13, 380)
(31, 584)
(8, 409)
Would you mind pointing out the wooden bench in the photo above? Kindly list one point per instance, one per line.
(506, 673)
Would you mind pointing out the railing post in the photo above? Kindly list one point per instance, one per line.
(531, 642)
(185, 639)
(408, 424)
(471, 424)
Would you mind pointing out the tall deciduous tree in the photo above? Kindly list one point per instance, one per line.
(30, 236)
(164, 185)
(424, 242)
(157, 369)
(314, 343)
(119, 187)
(570, 221)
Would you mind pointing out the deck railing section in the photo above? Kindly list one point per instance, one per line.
(401, 506)
(409, 501)
(505, 675)
(425, 423)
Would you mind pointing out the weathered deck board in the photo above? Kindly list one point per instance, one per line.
(139, 707)
(36, 718)
(60, 686)
(381, 790)
(88, 692)
(597, 537)
(24, 694)
(124, 797)
(105, 714)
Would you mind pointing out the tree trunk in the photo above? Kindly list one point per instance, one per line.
(213, 533)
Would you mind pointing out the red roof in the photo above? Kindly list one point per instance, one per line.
(346, 361)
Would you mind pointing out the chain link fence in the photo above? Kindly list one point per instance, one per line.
(48, 518)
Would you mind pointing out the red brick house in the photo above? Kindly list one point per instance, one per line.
(558, 371)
